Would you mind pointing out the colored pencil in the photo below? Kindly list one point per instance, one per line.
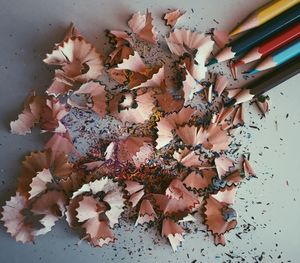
(279, 57)
(246, 42)
(266, 82)
(270, 45)
(264, 14)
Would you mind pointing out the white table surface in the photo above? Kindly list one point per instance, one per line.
(270, 203)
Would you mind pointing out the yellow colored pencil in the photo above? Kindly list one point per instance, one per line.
(264, 14)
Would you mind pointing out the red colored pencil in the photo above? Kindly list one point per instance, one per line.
(245, 43)
(272, 44)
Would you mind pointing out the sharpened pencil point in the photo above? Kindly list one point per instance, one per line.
(239, 63)
(235, 32)
(211, 62)
(230, 103)
(251, 72)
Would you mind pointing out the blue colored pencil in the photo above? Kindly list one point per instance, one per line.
(277, 58)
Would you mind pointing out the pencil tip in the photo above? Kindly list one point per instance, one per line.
(211, 62)
(251, 72)
(235, 32)
(230, 103)
(239, 63)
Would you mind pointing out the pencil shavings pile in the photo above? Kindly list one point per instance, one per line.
(165, 161)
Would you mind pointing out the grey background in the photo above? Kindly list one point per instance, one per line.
(269, 205)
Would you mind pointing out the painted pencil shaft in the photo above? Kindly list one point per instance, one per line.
(257, 35)
(269, 46)
(279, 57)
(267, 81)
(264, 14)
